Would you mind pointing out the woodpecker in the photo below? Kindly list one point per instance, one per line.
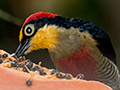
(75, 46)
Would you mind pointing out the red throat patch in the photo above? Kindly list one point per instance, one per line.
(39, 15)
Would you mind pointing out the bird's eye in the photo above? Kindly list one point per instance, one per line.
(29, 30)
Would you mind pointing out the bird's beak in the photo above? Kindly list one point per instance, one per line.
(23, 46)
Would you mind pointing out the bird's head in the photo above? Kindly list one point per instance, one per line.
(34, 35)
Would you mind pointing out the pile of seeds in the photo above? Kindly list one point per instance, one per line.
(25, 65)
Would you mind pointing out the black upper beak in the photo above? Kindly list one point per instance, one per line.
(23, 46)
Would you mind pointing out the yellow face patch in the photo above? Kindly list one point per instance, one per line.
(45, 37)
(21, 35)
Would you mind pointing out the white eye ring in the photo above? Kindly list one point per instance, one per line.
(29, 30)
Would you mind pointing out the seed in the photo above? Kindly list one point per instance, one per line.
(53, 72)
(80, 76)
(59, 75)
(36, 68)
(29, 64)
(17, 64)
(1, 60)
(21, 64)
(28, 60)
(41, 72)
(32, 69)
(25, 70)
(21, 58)
(5, 55)
(28, 82)
(13, 64)
(67, 76)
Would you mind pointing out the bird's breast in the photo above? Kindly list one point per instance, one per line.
(80, 62)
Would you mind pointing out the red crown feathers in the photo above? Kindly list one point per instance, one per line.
(39, 15)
